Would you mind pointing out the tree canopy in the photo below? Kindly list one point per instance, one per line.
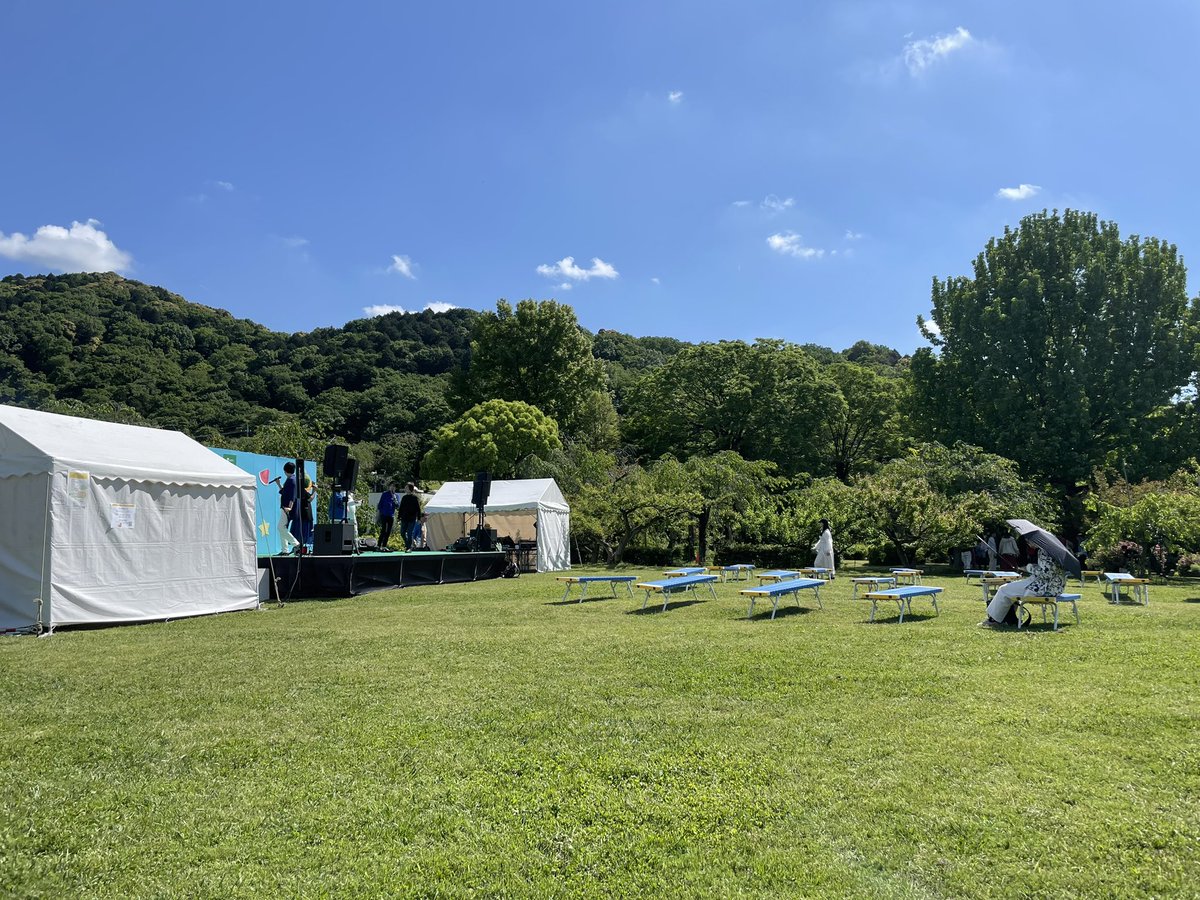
(1061, 351)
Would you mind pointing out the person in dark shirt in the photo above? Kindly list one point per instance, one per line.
(410, 513)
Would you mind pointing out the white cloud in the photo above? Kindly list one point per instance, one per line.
(853, 235)
(675, 97)
(565, 286)
(383, 309)
(791, 244)
(295, 242)
(403, 265)
(655, 280)
(81, 248)
(566, 268)
(920, 55)
(224, 185)
(741, 202)
(775, 204)
(1020, 192)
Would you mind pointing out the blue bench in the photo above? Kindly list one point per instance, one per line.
(986, 573)
(1043, 602)
(681, 585)
(685, 571)
(734, 572)
(776, 592)
(903, 598)
(584, 580)
(777, 575)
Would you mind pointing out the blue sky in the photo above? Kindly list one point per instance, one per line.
(700, 170)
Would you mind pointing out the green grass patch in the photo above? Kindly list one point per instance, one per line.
(487, 739)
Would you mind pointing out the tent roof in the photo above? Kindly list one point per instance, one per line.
(32, 442)
(520, 493)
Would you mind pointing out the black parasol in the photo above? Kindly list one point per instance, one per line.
(1047, 543)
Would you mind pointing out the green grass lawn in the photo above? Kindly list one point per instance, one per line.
(486, 739)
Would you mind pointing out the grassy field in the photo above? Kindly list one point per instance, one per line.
(489, 740)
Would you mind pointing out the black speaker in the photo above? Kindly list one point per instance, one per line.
(483, 539)
(336, 539)
(335, 460)
(481, 489)
(349, 476)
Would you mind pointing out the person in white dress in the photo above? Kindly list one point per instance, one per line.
(824, 548)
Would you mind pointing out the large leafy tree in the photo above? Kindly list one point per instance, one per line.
(934, 498)
(1061, 351)
(725, 484)
(498, 436)
(863, 425)
(763, 401)
(538, 354)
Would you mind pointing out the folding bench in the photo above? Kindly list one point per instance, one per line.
(988, 573)
(912, 576)
(584, 580)
(903, 597)
(1090, 573)
(817, 572)
(686, 570)
(1044, 602)
(781, 589)
(1117, 581)
(734, 572)
(681, 585)
(870, 583)
(777, 575)
(994, 583)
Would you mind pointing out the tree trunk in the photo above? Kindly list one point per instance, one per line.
(702, 530)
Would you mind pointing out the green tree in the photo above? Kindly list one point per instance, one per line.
(499, 436)
(935, 498)
(762, 401)
(539, 355)
(862, 427)
(725, 484)
(1061, 350)
(633, 500)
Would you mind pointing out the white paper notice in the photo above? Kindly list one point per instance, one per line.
(77, 486)
(121, 515)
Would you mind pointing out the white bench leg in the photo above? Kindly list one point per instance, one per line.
(816, 591)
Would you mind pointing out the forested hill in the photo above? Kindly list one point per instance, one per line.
(104, 346)
(99, 344)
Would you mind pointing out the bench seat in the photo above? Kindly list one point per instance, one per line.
(775, 592)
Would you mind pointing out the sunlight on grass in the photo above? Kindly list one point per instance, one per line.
(489, 739)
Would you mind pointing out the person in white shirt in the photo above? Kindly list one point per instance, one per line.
(824, 548)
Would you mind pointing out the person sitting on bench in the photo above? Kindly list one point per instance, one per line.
(1046, 579)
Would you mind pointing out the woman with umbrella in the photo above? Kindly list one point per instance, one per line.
(1047, 577)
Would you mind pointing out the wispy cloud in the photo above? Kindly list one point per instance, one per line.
(853, 235)
(675, 97)
(82, 247)
(776, 204)
(566, 268)
(655, 280)
(788, 243)
(402, 265)
(383, 309)
(295, 242)
(741, 203)
(565, 286)
(1020, 192)
(224, 185)
(919, 55)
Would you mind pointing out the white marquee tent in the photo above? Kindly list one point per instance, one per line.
(115, 523)
(524, 509)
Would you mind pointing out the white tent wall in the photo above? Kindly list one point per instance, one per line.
(117, 523)
(191, 551)
(23, 537)
(523, 509)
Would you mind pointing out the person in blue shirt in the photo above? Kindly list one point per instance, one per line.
(386, 513)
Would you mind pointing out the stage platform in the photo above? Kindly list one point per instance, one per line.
(345, 576)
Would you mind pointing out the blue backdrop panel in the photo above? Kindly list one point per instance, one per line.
(265, 469)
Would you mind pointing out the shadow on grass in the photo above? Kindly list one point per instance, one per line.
(575, 601)
(908, 617)
(678, 604)
(782, 613)
(1192, 600)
